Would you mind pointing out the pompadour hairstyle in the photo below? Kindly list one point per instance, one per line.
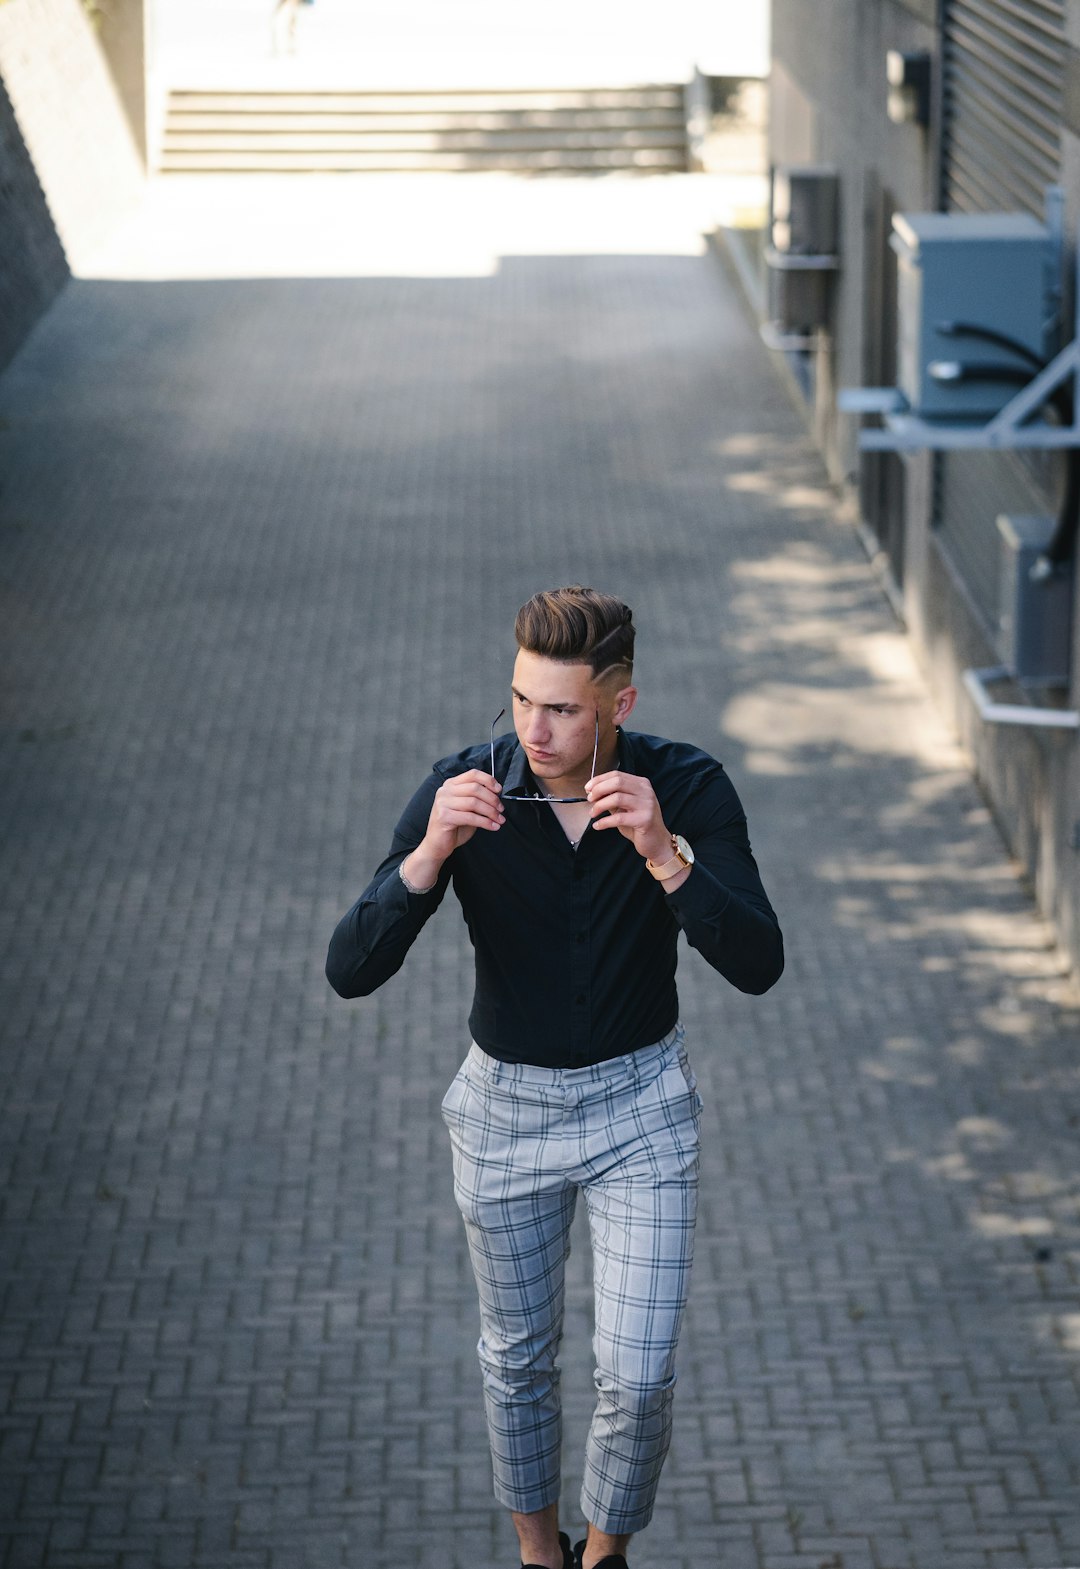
(578, 626)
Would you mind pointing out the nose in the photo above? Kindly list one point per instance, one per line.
(537, 729)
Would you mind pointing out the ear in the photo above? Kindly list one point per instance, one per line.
(625, 699)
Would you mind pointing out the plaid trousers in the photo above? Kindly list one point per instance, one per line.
(525, 1141)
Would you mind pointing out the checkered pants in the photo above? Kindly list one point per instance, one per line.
(525, 1140)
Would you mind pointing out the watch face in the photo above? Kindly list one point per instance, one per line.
(684, 849)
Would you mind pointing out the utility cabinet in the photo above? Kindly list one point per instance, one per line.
(801, 253)
(1035, 612)
(966, 281)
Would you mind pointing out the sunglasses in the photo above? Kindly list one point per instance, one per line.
(557, 800)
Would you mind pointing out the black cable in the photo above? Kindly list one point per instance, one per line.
(970, 329)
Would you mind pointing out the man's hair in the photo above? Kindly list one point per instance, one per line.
(578, 626)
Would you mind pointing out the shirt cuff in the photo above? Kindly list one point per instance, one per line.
(388, 900)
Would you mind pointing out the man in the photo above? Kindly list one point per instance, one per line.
(578, 851)
(283, 22)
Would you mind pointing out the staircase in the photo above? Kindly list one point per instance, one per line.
(528, 131)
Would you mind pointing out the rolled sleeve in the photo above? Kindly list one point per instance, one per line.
(372, 938)
(722, 906)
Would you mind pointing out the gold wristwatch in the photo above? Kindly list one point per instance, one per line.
(683, 857)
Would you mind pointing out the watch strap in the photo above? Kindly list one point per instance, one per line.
(662, 870)
(668, 869)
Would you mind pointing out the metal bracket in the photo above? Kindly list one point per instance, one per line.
(871, 400)
(906, 432)
(799, 261)
(993, 713)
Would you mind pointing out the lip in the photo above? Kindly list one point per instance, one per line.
(539, 757)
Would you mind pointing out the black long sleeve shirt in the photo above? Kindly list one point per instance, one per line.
(575, 949)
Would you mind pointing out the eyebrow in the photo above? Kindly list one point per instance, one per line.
(566, 702)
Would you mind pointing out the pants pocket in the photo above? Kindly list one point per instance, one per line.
(689, 1076)
(453, 1102)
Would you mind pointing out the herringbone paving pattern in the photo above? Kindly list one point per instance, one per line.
(261, 547)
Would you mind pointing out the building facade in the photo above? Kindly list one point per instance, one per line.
(997, 126)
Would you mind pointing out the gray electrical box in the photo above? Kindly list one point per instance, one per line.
(992, 271)
(803, 212)
(801, 253)
(1034, 614)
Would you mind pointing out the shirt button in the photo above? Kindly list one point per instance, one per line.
(579, 873)
(580, 998)
(580, 937)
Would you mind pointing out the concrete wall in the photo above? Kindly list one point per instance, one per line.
(829, 105)
(121, 27)
(33, 267)
(70, 120)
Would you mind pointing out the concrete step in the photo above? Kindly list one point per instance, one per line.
(641, 160)
(185, 121)
(480, 101)
(574, 129)
(459, 140)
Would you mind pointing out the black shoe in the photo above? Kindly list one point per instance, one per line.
(567, 1554)
(612, 1561)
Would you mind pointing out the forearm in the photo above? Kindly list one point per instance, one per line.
(421, 869)
(672, 884)
(711, 882)
(656, 846)
(371, 940)
(734, 931)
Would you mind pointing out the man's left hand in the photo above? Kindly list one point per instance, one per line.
(628, 802)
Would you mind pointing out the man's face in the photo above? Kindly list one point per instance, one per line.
(555, 708)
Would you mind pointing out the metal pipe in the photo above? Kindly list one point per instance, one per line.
(1014, 713)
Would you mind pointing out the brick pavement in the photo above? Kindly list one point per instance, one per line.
(262, 543)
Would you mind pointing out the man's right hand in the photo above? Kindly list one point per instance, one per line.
(462, 805)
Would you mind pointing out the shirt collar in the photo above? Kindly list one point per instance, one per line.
(519, 779)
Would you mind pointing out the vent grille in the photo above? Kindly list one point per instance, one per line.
(1003, 89)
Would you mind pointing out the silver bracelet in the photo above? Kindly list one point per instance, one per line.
(411, 887)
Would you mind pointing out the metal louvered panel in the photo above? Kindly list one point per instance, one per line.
(1003, 67)
(973, 488)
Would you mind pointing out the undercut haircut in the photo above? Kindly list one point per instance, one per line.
(578, 626)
